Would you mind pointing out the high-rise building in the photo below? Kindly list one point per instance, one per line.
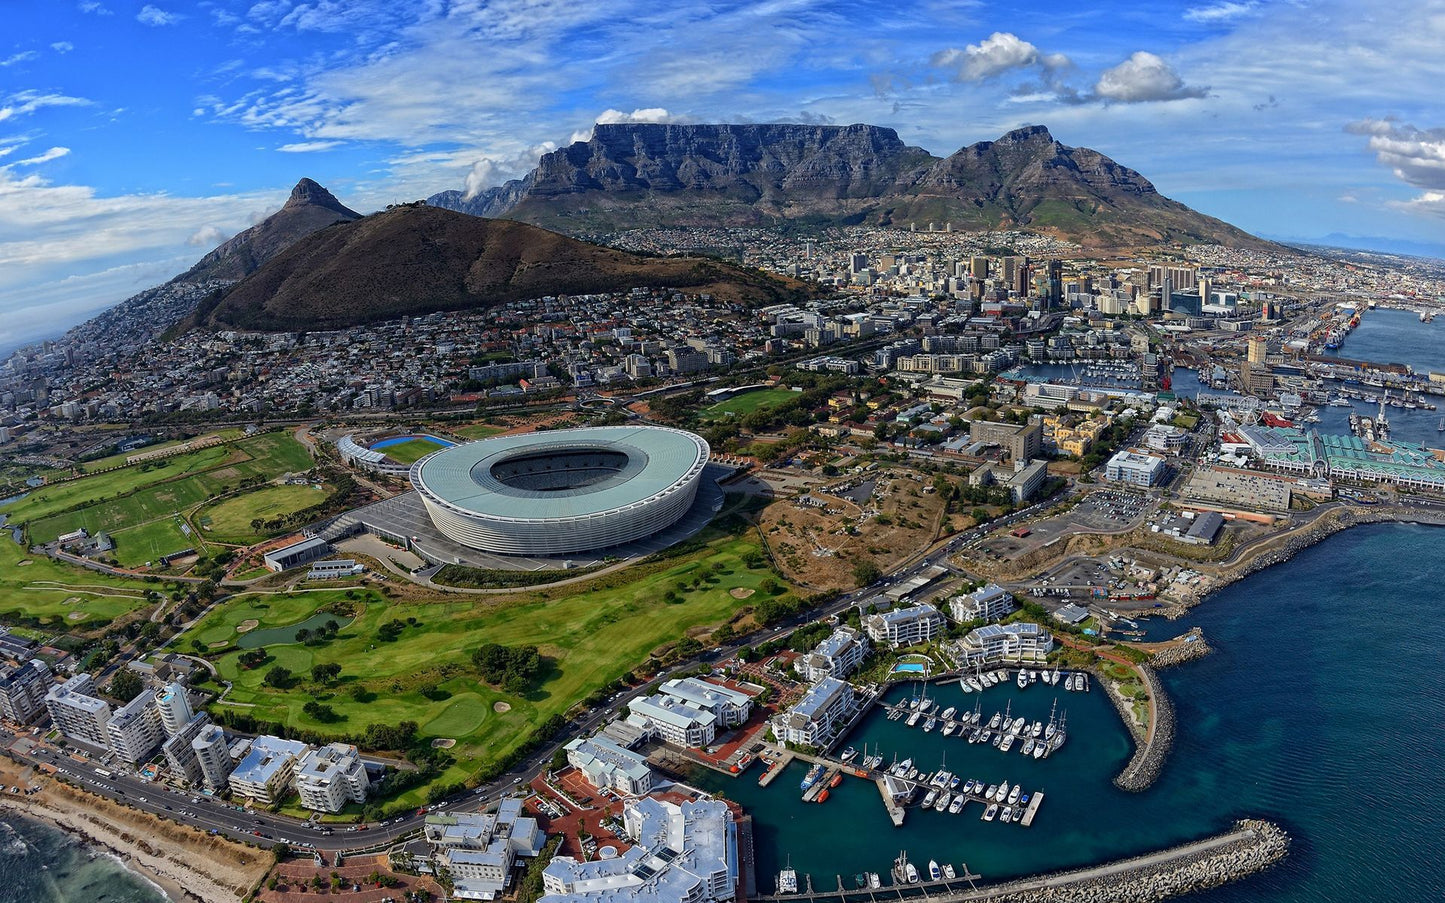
(134, 731)
(978, 267)
(1056, 284)
(174, 707)
(213, 756)
(22, 691)
(330, 776)
(77, 712)
(180, 751)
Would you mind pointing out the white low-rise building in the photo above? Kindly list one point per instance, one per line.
(265, 773)
(684, 853)
(816, 718)
(75, 709)
(731, 707)
(330, 776)
(1134, 469)
(835, 656)
(606, 765)
(905, 626)
(989, 603)
(479, 850)
(1020, 641)
(673, 721)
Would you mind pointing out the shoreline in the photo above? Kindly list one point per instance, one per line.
(184, 864)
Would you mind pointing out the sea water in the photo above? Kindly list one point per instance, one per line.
(40, 864)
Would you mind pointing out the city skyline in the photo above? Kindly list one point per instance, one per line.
(136, 136)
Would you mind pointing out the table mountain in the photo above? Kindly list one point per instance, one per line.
(638, 175)
(415, 259)
(309, 208)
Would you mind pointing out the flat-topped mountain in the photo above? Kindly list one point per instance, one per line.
(416, 259)
(309, 209)
(639, 175)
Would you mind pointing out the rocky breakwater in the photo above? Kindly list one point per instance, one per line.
(1152, 745)
(1186, 650)
(1251, 847)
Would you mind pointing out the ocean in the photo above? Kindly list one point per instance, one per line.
(40, 864)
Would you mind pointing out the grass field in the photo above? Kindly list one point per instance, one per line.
(230, 520)
(118, 459)
(62, 595)
(478, 430)
(412, 450)
(591, 634)
(134, 546)
(156, 490)
(748, 402)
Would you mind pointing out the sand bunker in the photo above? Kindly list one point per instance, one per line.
(741, 592)
(76, 616)
(501, 707)
(443, 743)
(24, 562)
(221, 645)
(247, 625)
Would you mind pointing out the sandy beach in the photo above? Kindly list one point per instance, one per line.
(187, 864)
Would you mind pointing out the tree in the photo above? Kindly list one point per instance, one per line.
(866, 572)
(279, 677)
(126, 685)
(325, 673)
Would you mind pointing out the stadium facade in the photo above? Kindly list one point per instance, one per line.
(562, 492)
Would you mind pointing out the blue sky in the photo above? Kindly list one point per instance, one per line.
(134, 136)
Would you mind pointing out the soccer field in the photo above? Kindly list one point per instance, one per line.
(748, 402)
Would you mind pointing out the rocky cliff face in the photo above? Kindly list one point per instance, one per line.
(310, 207)
(640, 175)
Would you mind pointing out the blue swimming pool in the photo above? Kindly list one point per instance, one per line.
(909, 668)
(397, 440)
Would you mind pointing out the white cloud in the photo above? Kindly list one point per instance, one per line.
(208, 236)
(1431, 203)
(1143, 78)
(651, 114)
(99, 9)
(155, 17)
(54, 153)
(62, 46)
(1227, 11)
(306, 147)
(22, 57)
(1000, 52)
(1416, 157)
(487, 172)
(27, 102)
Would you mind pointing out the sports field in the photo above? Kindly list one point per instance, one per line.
(590, 634)
(33, 586)
(153, 492)
(230, 519)
(479, 430)
(412, 450)
(746, 403)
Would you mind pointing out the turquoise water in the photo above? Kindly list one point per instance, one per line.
(908, 668)
(1321, 709)
(397, 440)
(39, 864)
(266, 636)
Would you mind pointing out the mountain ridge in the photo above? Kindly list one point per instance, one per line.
(635, 175)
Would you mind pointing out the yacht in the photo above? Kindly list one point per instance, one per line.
(934, 872)
(991, 792)
(949, 728)
(811, 777)
(953, 782)
(1028, 747)
(1054, 678)
(948, 871)
(913, 718)
(1018, 813)
(1024, 800)
(994, 721)
(874, 882)
(1038, 730)
(1018, 726)
(788, 880)
(930, 724)
(948, 713)
(1033, 677)
(912, 773)
(944, 799)
(1013, 795)
(1023, 678)
(956, 806)
(848, 755)
(1006, 743)
(1007, 814)
(997, 739)
(1001, 793)
(991, 812)
(911, 871)
(973, 685)
(1040, 749)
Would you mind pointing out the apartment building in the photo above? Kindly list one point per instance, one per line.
(816, 718)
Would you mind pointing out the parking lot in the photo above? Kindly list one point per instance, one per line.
(1111, 509)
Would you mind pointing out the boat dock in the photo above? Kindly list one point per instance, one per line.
(963, 883)
(776, 766)
(1034, 802)
(962, 729)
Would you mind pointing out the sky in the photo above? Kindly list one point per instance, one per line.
(135, 136)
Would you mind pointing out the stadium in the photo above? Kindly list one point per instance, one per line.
(564, 491)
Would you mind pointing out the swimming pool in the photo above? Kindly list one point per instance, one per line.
(397, 440)
(909, 668)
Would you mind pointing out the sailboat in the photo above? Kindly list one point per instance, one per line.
(788, 879)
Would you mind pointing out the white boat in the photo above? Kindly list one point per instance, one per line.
(934, 872)
(994, 721)
(787, 880)
(997, 739)
(911, 871)
(949, 728)
(956, 806)
(968, 786)
(1028, 746)
(874, 882)
(1023, 678)
(1006, 743)
(1033, 677)
(974, 685)
(1007, 814)
(1038, 730)
(930, 724)
(953, 782)
(1013, 795)
(913, 719)
(912, 773)
(1018, 813)
(944, 799)
(948, 871)
(930, 798)
(991, 812)
(1039, 750)
(1001, 793)
(848, 754)
(991, 792)
(1054, 678)
(948, 713)
(1018, 726)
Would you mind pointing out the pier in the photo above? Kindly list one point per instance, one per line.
(923, 890)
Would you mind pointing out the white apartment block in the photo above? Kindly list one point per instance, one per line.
(684, 853)
(23, 689)
(77, 713)
(731, 707)
(835, 656)
(990, 603)
(331, 775)
(1020, 641)
(174, 708)
(479, 850)
(816, 718)
(606, 765)
(905, 626)
(181, 754)
(674, 721)
(213, 756)
(1134, 469)
(265, 772)
(135, 730)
